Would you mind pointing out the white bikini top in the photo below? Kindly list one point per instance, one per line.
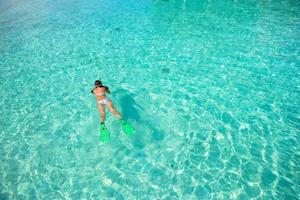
(100, 94)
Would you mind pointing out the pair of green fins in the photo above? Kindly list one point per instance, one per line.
(104, 133)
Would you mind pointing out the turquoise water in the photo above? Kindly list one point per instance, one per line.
(212, 88)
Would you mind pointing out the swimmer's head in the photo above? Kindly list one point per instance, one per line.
(98, 83)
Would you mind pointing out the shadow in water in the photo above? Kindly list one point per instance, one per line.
(131, 111)
(128, 106)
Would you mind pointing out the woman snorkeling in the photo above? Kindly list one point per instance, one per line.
(99, 91)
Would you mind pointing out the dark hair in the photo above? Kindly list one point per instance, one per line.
(98, 83)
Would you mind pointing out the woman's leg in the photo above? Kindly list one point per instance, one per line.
(102, 112)
(112, 109)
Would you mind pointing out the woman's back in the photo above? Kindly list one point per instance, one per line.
(99, 92)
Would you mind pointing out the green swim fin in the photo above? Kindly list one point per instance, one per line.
(127, 128)
(104, 134)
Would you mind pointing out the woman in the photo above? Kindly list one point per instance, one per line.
(99, 92)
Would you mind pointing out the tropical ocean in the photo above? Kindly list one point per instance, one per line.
(211, 87)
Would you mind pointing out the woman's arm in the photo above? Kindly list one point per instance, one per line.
(107, 90)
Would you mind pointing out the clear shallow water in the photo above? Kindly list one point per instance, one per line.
(211, 87)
